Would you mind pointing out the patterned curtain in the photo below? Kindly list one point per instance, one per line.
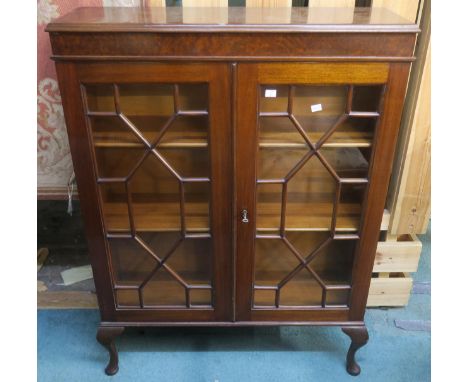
(54, 166)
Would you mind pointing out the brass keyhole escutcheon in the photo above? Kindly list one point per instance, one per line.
(245, 216)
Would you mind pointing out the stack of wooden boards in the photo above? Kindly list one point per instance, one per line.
(408, 203)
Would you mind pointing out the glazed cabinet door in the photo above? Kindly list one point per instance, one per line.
(306, 138)
(158, 137)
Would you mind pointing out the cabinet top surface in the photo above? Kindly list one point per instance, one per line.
(232, 19)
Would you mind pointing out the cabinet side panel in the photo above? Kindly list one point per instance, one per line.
(84, 171)
(379, 180)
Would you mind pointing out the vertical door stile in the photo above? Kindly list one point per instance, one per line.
(246, 151)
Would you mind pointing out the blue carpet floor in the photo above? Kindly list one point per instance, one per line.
(68, 351)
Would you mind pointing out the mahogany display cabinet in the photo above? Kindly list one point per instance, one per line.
(232, 164)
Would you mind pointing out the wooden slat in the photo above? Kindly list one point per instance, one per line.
(398, 256)
(188, 139)
(267, 3)
(415, 133)
(339, 139)
(194, 139)
(308, 217)
(157, 216)
(165, 217)
(332, 3)
(204, 3)
(154, 3)
(412, 209)
(390, 291)
(385, 220)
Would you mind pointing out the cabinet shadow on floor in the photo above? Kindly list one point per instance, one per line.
(285, 338)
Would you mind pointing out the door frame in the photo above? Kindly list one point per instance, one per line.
(217, 75)
(249, 78)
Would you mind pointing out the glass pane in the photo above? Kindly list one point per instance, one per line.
(317, 108)
(163, 289)
(264, 297)
(273, 98)
(147, 106)
(127, 298)
(348, 162)
(276, 163)
(353, 132)
(115, 207)
(100, 97)
(193, 97)
(338, 297)
(187, 131)
(189, 259)
(131, 263)
(350, 207)
(187, 162)
(268, 206)
(155, 197)
(302, 290)
(311, 194)
(113, 132)
(192, 261)
(117, 148)
(334, 262)
(366, 98)
(200, 297)
(273, 261)
(197, 206)
(279, 132)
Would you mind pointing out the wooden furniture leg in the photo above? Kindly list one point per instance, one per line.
(359, 337)
(105, 336)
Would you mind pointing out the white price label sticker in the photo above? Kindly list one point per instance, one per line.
(270, 93)
(315, 108)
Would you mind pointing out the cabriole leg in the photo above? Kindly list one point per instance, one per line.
(359, 338)
(105, 336)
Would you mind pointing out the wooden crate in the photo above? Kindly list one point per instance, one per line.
(390, 289)
(401, 255)
(391, 282)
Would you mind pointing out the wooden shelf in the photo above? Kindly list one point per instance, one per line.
(294, 140)
(199, 140)
(156, 217)
(281, 132)
(308, 217)
(165, 217)
(170, 140)
(185, 131)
